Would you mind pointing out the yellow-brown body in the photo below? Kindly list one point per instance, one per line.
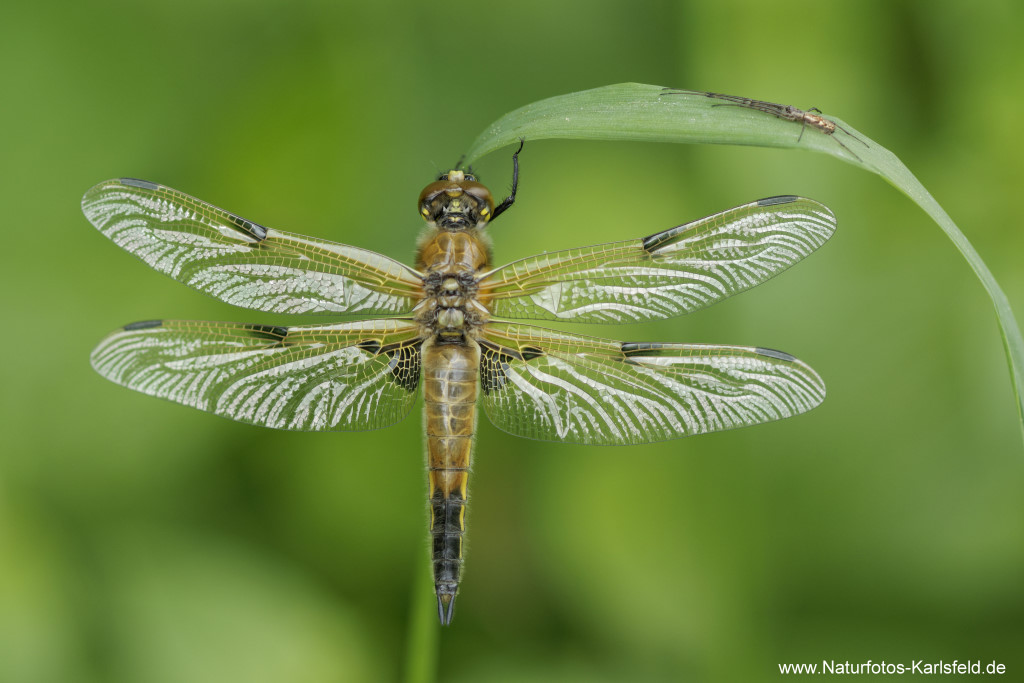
(452, 256)
(450, 373)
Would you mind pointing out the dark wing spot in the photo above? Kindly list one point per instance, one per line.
(274, 333)
(493, 368)
(652, 243)
(254, 230)
(530, 352)
(494, 362)
(643, 348)
(276, 330)
(636, 348)
(405, 365)
(403, 360)
(781, 199)
(143, 325)
(772, 353)
(370, 346)
(135, 182)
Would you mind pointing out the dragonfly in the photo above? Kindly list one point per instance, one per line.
(812, 117)
(450, 326)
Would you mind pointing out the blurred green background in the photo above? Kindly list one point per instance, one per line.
(142, 541)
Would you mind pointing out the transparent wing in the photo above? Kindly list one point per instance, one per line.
(352, 376)
(244, 263)
(553, 386)
(677, 271)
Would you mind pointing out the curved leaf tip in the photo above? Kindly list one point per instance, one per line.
(650, 113)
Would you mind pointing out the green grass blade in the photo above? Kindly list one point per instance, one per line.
(424, 632)
(633, 111)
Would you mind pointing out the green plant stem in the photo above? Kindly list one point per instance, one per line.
(423, 637)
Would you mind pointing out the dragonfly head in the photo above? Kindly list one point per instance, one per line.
(456, 201)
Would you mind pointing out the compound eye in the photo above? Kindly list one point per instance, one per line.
(431, 191)
(429, 194)
(481, 194)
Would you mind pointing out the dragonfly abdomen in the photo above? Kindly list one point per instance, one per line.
(450, 372)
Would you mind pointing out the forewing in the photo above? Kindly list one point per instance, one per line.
(677, 271)
(542, 384)
(351, 376)
(244, 263)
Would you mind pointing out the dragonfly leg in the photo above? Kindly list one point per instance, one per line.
(510, 200)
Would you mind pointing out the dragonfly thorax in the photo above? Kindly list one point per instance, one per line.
(450, 308)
